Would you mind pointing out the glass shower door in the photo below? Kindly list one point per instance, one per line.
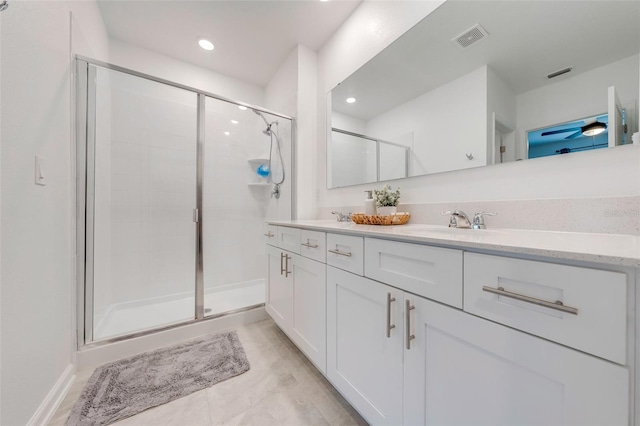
(141, 167)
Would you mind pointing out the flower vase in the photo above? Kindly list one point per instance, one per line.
(387, 210)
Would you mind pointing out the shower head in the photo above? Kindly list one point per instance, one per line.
(267, 131)
(260, 114)
(4, 4)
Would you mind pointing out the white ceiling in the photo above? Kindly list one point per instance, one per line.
(252, 38)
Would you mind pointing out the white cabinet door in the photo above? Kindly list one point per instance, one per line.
(309, 317)
(464, 370)
(279, 298)
(362, 362)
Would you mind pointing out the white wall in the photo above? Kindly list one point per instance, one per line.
(292, 91)
(282, 90)
(576, 175)
(306, 132)
(37, 279)
(157, 65)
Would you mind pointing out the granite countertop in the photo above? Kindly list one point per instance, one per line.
(613, 249)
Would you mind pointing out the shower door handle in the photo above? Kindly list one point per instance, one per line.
(196, 215)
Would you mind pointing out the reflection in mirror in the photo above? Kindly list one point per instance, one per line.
(345, 148)
(472, 83)
(378, 159)
(582, 135)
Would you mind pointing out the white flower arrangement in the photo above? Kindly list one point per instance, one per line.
(386, 197)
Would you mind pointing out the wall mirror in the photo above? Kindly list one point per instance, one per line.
(478, 83)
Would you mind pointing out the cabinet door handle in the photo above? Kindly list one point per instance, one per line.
(268, 234)
(558, 305)
(408, 308)
(309, 245)
(282, 268)
(389, 325)
(286, 265)
(341, 253)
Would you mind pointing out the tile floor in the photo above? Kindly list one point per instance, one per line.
(281, 388)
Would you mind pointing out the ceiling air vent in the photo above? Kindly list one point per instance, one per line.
(471, 36)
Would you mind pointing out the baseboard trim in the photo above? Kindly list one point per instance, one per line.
(48, 407)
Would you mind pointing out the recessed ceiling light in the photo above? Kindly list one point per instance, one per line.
(351, 100)
(205, 44)
(227, 133)
(242, 107)
(324, 1)
(234, 121)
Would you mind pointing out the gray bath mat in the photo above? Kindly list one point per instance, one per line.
(127, 387)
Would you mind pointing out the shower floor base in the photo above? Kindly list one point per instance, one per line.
(142, 315)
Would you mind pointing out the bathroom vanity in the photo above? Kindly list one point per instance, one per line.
(422, 324)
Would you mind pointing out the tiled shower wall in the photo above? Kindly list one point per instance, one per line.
(233, 210)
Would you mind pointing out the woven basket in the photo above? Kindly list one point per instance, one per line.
(394, 219)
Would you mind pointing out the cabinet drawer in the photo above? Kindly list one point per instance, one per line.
(313, 245)
(598, 326)
(270, 234)
(289, 239)
(345, 252)
(432, 272)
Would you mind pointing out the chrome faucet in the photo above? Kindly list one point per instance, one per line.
(458, 219)
(478, 219)
(342, 217)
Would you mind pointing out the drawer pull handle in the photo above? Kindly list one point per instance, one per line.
(389, 325)
(309, 245)
(558, 306)
(269, 234)
(408, 308)
(341, 253)
(282, 268)
(286, 265)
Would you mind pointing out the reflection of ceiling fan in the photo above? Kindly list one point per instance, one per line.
(589, 129)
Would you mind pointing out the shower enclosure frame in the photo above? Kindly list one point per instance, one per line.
(85, 130)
